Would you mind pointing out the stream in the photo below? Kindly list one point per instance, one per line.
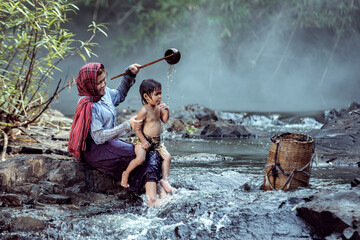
(217, 196)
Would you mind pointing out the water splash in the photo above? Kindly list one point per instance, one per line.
(169, 78)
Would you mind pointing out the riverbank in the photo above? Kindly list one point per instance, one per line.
(43, 177)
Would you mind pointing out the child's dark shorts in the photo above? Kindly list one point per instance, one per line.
(155, 143)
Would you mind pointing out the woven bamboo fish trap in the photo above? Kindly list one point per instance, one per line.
(288, 162)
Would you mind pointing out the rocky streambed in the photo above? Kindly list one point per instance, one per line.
(45, 193)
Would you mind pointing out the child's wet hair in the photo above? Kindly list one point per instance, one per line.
(148, 86)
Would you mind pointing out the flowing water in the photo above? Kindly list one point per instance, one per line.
(217, 195)
(169, 78)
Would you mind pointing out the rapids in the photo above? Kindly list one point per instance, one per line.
(217, 196)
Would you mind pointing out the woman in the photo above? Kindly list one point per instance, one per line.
(94, 134)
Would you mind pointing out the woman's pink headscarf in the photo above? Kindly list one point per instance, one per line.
(86, 84)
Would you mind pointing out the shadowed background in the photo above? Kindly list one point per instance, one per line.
(278, 63)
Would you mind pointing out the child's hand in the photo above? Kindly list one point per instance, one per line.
(163, 106)
(145, 145)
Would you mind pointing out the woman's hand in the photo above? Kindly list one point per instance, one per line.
(145, 145)
(134, 68)
(135, 124)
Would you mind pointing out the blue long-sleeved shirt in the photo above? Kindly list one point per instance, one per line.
(103, 119)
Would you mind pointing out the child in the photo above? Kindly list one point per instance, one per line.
(152, 111)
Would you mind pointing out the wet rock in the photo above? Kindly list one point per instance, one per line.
(247, 187)
(176, 125)
(194, 113)
(10, 200)
(32, 176)
(223, 130)
(334, 213)
(4, 224)
(355, 182)
(226, 181)
(200, 158)
(26, 224)
(334, 114)
(197, 121)
(338, 141)
(183, 232)
(54, 199)
(230, 219)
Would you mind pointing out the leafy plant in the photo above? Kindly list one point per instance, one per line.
(32, 43)
(191, 129)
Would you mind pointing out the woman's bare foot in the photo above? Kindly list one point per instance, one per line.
(166, 185)
(124, 179)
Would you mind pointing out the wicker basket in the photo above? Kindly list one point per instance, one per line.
(288, 162)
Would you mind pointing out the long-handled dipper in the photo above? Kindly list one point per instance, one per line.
(171, 56)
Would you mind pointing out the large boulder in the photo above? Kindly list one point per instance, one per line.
(334, 213)
(44, 178)
(338, 141)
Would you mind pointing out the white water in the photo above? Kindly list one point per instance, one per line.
(210, 201)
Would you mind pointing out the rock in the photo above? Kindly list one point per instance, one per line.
(182, 232)
(224, 130)
(196, 121)
(355, 182)
(176, 125)
(338, 141)
(334, 114)
(334, 212)
(247, 187)
(26, 224)
(226, 181)
(55, 118)
(54, 199)
(11, 200)
(194, 113)
(43, 140)
(51, 180)
(354, 106)
(200, 158)
(4, 224)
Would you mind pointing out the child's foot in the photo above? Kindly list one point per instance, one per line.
(124, 179)
(154, 203)
(166, 185)
(162, 192)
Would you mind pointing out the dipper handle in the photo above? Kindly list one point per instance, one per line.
(142, 66)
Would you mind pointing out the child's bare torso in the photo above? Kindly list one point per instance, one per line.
(152, 122)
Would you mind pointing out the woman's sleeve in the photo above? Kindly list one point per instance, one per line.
(119, 94)
(101, 136)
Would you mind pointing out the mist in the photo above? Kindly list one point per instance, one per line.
(271, 73)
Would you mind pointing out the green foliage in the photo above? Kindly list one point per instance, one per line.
(190, 129)
(33, 42)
